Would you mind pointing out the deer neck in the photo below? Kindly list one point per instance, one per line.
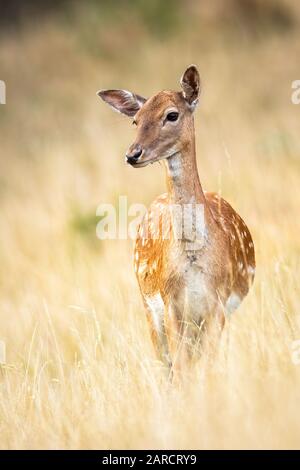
(183, 180)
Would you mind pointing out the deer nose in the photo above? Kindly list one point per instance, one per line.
(134, 154)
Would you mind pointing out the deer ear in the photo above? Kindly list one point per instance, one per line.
(122, 101)
(190, 84)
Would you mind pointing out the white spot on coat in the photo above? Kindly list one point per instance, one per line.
(232, 303)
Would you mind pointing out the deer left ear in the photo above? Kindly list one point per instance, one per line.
(190, 84)
(122, 101)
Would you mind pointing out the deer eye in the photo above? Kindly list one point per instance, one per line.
(173, 116)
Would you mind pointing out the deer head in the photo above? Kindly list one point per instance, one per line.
(164, 121)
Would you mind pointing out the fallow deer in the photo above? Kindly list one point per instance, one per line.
(187, 283)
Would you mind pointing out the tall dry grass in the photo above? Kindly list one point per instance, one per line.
(80, 371)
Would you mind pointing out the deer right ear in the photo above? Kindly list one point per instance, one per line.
(190, 84)
(122, 101)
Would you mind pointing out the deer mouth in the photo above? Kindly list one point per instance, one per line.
(150, 161)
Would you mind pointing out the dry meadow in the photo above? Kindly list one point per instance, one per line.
(80, 371)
